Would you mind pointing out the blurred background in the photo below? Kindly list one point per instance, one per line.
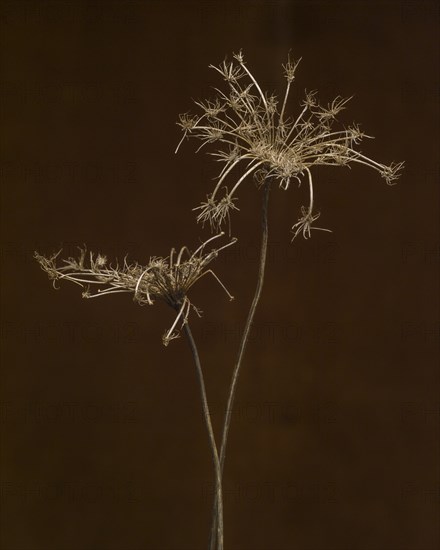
(334, 440)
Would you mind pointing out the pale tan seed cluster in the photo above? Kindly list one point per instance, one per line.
(168, 279)
(253, 132)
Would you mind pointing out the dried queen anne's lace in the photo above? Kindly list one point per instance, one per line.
(254, 133)
(251, 127)
(168, 279)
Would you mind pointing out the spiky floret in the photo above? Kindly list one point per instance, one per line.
(252, 127)
(168, 279)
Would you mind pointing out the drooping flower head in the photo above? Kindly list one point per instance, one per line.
(252, 131)
(168, 279)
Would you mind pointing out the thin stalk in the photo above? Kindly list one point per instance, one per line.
(241, 351)
(207, 415)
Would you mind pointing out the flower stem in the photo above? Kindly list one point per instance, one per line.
(215, 457)
(242, 349)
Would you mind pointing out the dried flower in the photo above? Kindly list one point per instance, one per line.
(290, 68)
(216, 212)
(304, 224)
(168, 279)
(252, 127)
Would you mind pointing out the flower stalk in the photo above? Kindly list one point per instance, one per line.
(242, 348)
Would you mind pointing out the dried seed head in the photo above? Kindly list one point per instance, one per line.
(391, 172)
(216, 212)
(333, 108)
(252, 127)
(239, 57)
(310, 99)
(290, 68)
(168, 279)
(230, 72)
(304, 224)
(272, 103)
(188, 122)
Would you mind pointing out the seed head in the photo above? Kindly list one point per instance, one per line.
(168, 279)
(252, 127)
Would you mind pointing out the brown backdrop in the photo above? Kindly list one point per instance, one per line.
(334, 439)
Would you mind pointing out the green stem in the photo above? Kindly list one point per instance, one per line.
(242, 349)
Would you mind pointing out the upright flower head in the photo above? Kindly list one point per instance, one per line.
(252, 130)
(168, 279)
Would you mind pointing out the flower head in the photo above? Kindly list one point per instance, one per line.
(290, 68)
(216, 212)
(168, 279)
(251, 130)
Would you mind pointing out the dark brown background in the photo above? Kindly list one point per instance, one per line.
(334, 441)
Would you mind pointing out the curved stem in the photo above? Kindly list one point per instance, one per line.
(207, 415)
(242, 349)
